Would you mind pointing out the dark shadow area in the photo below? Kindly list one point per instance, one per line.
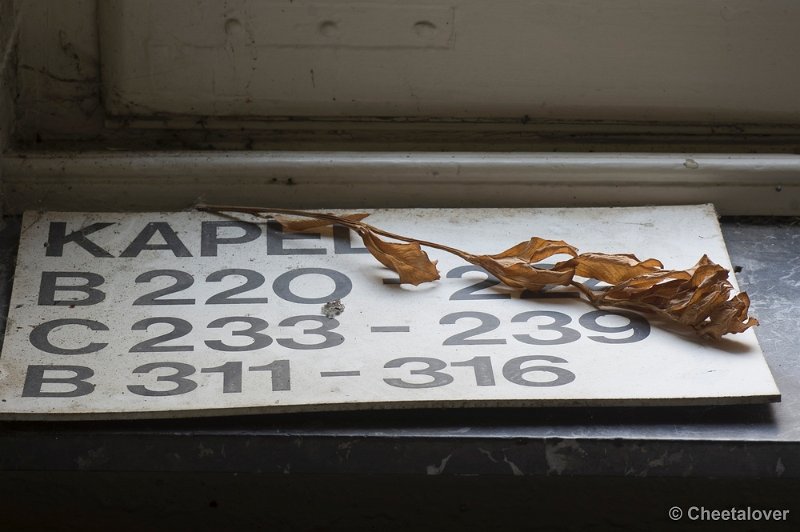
(157, 501)
(431, 422)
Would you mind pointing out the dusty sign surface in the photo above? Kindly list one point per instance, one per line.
(170, 314)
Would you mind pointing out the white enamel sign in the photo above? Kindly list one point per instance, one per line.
(187, 314)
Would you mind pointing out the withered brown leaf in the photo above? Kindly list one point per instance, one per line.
(609, 268)
(698, 297)
(514, 266)
(408, 260)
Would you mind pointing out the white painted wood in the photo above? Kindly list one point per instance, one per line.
(678, 60)
(736, 184)
(381, 324)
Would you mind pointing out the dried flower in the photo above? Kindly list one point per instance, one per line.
(698, 297)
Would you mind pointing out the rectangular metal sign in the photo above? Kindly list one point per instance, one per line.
(188, 314)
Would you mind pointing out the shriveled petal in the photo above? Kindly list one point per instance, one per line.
(535, 250)
(610, 268)
(521, 275)
(514, 267)
(730, 317)
(408, 260)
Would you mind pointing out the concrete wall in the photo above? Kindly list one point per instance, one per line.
(611, 60)
(714, 62)
(9, 31)
(57, 69)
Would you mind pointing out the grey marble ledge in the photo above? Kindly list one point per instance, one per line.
(753, 441)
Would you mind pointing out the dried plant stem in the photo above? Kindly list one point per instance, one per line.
(259, 212)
